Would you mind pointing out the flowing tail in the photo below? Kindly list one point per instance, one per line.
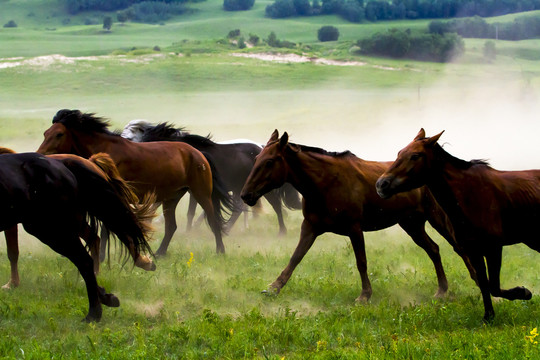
(106, 201)
(290, 197)
(221, 199)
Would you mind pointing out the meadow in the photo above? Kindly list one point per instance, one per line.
(204, 305)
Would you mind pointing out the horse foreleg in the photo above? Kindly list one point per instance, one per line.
(275, 201)
(169, 213)
(359, 248)
(415, 229)
(12, 244)
(191, 212)
(307, 237)
(477, 260)
(494, 259)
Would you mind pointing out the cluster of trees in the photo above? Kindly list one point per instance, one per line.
(151, 11)
(238, 5)
(374, 10)
(76, 6)
(523, 27)
(403, 44)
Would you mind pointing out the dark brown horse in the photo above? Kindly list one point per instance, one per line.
(340, 197)
(167, 168)
(488, 208)
(52, 199)
(102, 165)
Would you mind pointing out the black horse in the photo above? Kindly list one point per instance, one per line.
(52, 199)
(233, 161)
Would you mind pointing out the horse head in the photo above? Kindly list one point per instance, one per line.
(135, 129)
(269, 171)
(409, 170)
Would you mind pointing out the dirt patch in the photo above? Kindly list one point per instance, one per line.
(295, 58)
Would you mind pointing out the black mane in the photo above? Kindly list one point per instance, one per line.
(457, 162)
(317, 150)
(85, 122)
(167, 132)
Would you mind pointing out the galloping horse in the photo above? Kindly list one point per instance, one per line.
(488, 208)
(233, 161)
(52, 199)
(167, 168)
(340, 197)
(103, 165)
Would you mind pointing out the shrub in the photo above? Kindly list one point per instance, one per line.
(238, 5)
(253, 39)
(281, 9)
(233, 34)
(10, 24)
(107, 23)
(429, 46)
(328, 33)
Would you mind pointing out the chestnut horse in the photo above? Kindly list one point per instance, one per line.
(488, 208)
(167, 168)
(52, 199)
(340, 197)
(103, 165)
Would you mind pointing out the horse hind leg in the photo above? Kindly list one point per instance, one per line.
(494, 260)
(71, 247)
(169, 213)
(12, 244)
(416, 230)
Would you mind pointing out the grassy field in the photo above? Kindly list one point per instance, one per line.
(213, 307)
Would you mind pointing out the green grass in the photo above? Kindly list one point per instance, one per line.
(214, 309)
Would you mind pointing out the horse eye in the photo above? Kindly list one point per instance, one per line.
(269, 163)
(415, 157)
(59, 135)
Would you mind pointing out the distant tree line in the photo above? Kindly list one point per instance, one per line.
(76, 6)
(523, 27)
(375, 10)
(423, 46)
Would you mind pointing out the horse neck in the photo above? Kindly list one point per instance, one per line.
(308, 172)
(86, 145)
(448, 183)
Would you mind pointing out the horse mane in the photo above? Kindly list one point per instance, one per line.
(306, 148)
(85, 122)
(166, 131)
(5, 150)
(457, 162)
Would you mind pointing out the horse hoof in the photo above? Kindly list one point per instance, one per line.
(270, 291)
(145, 263)
(110, 300)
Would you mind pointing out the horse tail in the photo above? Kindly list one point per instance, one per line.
(105, 204)
(5, 150)
(290, 197)
(145, 208)
(221, 199)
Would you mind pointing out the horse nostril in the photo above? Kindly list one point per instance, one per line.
(383, 183)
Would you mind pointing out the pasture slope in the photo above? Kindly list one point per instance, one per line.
(199, 305)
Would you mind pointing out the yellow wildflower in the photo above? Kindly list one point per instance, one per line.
(532, 337)
(190, 261)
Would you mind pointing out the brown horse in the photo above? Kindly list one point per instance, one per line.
(340, 197)
(102, 165)
(488, 208)
(167, 168)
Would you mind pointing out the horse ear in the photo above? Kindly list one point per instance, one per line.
(432, 140)
(421, 134)
(273, 137)
(284, 140)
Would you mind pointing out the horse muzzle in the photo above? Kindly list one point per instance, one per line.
(384, 186)
(249, 198)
